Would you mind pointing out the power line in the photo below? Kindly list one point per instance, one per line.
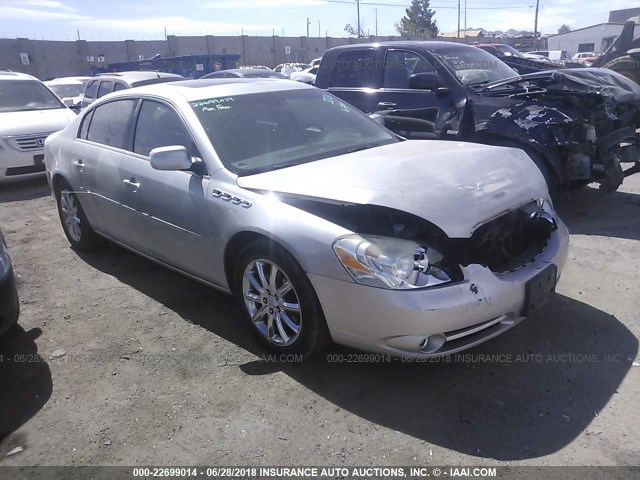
(431, 6)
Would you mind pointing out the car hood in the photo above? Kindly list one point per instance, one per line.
(457, 186)
(34, 121)
(611, 86)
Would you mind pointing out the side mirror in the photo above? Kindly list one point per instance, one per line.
(174, 157)
(427, 81)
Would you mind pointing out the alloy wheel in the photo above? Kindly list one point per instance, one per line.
(272, 302)
(70, 215)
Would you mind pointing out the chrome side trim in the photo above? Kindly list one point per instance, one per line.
(227, 197)
(465, 332)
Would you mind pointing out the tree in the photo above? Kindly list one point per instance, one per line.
(351, 30)
(418, 22)
(564, 28)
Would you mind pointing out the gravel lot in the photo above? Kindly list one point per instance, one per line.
(118, 361)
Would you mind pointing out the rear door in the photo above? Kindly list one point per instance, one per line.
(97, 155)
(167, 214)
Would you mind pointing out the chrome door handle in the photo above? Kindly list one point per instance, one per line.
(387, 105)
(132, 183)
(79, 163)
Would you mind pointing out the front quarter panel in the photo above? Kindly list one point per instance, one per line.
(307, 237)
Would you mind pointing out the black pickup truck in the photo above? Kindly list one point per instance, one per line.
(578, 125)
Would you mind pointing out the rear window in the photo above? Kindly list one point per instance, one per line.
(92, 89)
(354, 68)
(25, 95)
(105, 87)
(109, 123)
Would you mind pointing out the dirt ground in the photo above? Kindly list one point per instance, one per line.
(118, 361)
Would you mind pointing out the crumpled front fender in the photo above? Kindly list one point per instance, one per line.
(537, 126)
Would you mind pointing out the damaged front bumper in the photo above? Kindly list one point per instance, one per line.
(434, 321)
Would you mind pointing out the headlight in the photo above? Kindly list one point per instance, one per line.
(389, 262)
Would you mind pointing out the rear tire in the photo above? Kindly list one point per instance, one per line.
(278, 300)
(73, 219)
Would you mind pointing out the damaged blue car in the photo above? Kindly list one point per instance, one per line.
(578, 125)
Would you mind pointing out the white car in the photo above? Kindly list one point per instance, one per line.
(308, 75)
(69, 89)
(29, 113)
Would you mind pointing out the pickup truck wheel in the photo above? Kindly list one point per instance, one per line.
(74, 221)
(278, 300)
(626, 66)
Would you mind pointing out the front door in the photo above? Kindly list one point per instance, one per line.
(396, 98)
(167, 210)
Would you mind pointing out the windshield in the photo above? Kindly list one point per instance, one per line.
(265, 131)
(23, 95)
(70, 90)
(474, 66)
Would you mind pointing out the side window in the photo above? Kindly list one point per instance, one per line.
(92, 89)
(159, 126)
(105, 87)
(119, 86)
(354, 68)
(109, 123)
(399, 65)
(84, 128)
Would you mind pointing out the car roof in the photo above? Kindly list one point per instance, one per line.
(425, 44)
(6, 75)
(191, 90)
(63, 81)
(68, 80)
(137, 76)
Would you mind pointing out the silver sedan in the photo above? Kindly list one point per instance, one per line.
(325, 226)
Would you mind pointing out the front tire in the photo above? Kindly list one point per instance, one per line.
(73, 219)
(278, 300)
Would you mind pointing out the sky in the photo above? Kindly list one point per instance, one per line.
(147, 19)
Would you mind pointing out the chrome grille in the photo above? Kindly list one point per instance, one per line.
(29, 143)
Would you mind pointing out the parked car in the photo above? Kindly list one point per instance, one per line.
(29, 112)
(69, 89)
(581, 56)
(106, 83)
(520, 62)
(244, 73)
(578, 125)
(557, 57)
(308, 75)
(323, 226)
(9, 304)
(287, 69)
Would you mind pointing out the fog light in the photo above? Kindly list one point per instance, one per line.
(433, 343)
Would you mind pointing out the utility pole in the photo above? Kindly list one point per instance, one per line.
(535, 27)
(458, 18)
(376, 22)
(358, 3)
(319, 34)
(308, 23)
(465, 18)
